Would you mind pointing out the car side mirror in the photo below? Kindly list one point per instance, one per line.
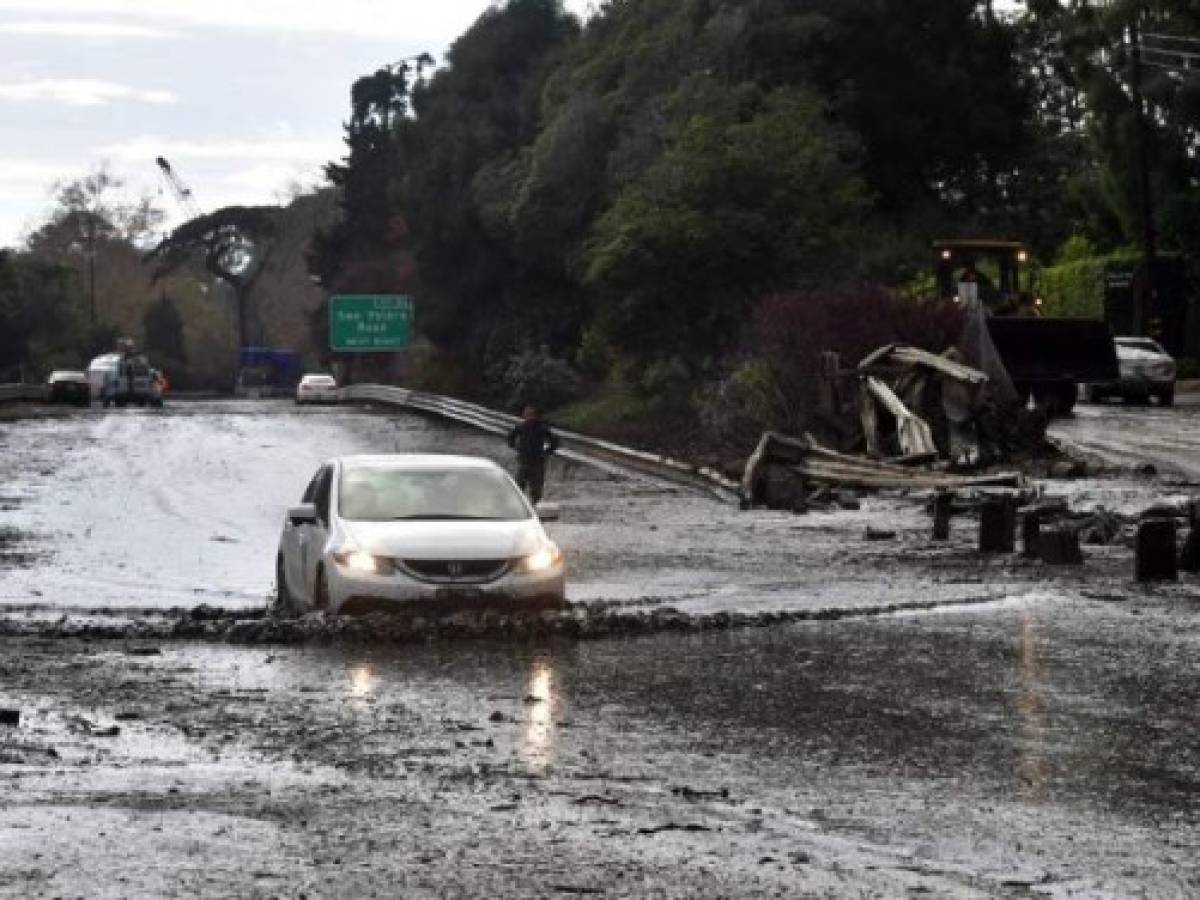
(304, 514)
(549, 512)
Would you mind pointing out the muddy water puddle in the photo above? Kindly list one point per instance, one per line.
(959, 752)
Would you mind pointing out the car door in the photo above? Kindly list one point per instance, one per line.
(295, 538)
(316, 534)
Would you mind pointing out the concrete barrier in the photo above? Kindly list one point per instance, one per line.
(22, 392)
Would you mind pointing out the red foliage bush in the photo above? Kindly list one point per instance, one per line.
(792, 329)
(775, 383)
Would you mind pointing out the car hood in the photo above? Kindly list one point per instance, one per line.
(1143, 360)
(1128, 354)
(447, 540)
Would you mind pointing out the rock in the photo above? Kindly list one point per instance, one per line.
(497, 716)
(1068, 468)
(847, 500)
(822, 496)
(10, 717)
(1100, 528)
(879, 534)
(110, 731)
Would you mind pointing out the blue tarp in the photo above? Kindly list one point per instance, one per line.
(284, 366)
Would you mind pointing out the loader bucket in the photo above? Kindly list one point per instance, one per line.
(1044, 350)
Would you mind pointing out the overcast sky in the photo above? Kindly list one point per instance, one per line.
(242, 96)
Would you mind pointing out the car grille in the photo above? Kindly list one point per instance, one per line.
(456, 571)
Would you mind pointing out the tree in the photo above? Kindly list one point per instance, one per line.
(748, 200)
(1144, 155)
(95, 231)
(370, 230)
(234, 245)
(163, 328)
(622, 190)
(41, 316)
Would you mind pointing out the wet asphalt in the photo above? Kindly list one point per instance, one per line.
(1041, 743)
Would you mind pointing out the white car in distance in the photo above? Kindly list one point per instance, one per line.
(415, 532)
(1146, 370)
(317, 389)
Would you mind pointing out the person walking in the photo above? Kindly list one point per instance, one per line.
(534, 441)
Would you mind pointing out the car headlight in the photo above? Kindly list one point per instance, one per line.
(545, 557)
(364, 563)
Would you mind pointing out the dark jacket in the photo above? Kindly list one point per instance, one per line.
(532, 439)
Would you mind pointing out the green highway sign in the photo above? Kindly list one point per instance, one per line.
(370, 322)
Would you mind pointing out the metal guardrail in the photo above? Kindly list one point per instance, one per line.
(11, 392)
(579, 447)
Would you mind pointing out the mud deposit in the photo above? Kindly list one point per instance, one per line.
(734, 704)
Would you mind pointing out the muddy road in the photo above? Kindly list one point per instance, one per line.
(892, 719)
(1131, 435)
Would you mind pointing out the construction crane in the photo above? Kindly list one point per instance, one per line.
(182, 192)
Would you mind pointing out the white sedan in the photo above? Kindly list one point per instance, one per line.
(415, 531)
(1146, 370)
(317, 389)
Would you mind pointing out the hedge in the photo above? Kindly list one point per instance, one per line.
(1076, 289)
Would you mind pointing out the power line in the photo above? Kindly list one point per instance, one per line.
(1172, 37)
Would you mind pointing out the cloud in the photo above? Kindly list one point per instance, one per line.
(28, 172)
(80, 29)
(286, 149)
(80, 92)
(373, 19)
(27, 186)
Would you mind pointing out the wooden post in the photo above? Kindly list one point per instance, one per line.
(1189, 558)
(1156, 557)
(998, 525)
(1031, 530)
(943, 503)
(1060, 547)
(829, 399)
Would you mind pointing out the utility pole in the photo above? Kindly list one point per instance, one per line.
(92, 266)
(1144, 284)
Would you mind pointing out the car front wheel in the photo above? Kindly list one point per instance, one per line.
(321, 591)
(283, 597)
(1166, 397)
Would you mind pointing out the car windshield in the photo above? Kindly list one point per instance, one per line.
(1139, 344)
(382, 494)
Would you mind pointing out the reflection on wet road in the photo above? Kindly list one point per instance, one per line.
(544, 705)
(1031, 768)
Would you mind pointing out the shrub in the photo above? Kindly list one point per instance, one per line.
(534, 376)
(1075, 288)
